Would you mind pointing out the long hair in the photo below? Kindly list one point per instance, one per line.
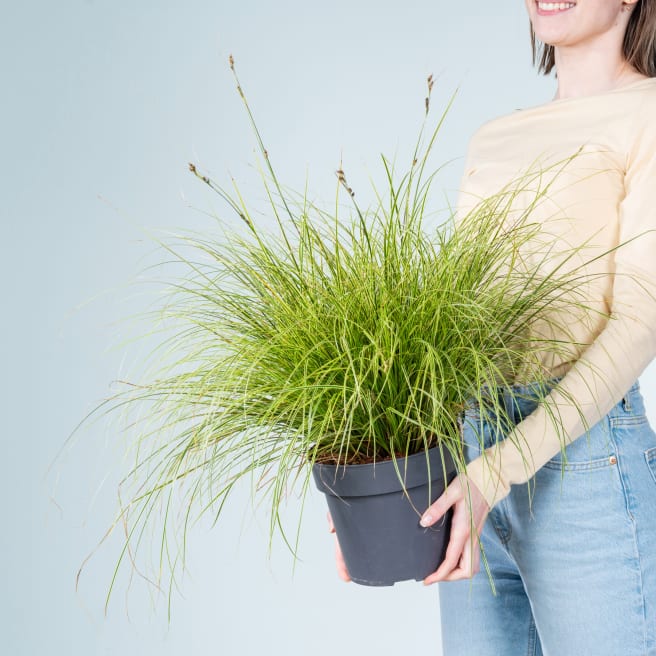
(639, 46)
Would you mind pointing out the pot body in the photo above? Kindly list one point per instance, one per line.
(376, 510)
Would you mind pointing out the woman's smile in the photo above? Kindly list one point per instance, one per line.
(552, 8)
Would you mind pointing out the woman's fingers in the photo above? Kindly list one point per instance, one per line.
(469, 564)
(470, 560)
(460, 534)
(451, 495)
(342, 572)
(470, 511)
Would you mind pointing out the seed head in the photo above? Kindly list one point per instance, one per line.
(342, 180)
(430, 83)
(204, 178)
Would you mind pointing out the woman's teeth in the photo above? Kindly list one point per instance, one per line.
(555, 6)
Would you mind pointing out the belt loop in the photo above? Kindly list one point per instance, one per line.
(626, 403)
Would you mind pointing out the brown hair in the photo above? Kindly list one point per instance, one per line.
(639, 45)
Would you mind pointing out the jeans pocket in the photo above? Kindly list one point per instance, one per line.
(629, 421)
(650, 457)
(581, 465)
(594, 449)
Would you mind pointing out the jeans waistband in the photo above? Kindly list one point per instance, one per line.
(523, 398)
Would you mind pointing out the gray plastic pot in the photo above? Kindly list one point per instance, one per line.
(376, 515)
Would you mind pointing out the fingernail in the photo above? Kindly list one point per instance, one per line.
(426, 521)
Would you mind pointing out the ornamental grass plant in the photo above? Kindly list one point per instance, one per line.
(341, 336)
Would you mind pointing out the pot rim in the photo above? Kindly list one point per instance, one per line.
(385, 476)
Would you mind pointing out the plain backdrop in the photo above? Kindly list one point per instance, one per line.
(103, 105)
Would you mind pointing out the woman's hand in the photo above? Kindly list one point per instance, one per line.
(470, 510)
(342, 572)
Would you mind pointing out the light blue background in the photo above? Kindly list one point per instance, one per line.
(103, 104)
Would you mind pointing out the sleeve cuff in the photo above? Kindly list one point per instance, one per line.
(484, 473)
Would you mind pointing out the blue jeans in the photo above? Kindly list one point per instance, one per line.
(575, 572)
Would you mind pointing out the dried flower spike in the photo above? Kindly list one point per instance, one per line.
(204, 178)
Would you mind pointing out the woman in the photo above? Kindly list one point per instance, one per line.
(573, 556)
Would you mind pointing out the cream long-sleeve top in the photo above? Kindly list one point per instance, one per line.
(602, 197)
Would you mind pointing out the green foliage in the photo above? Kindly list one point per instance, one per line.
(334, 339)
